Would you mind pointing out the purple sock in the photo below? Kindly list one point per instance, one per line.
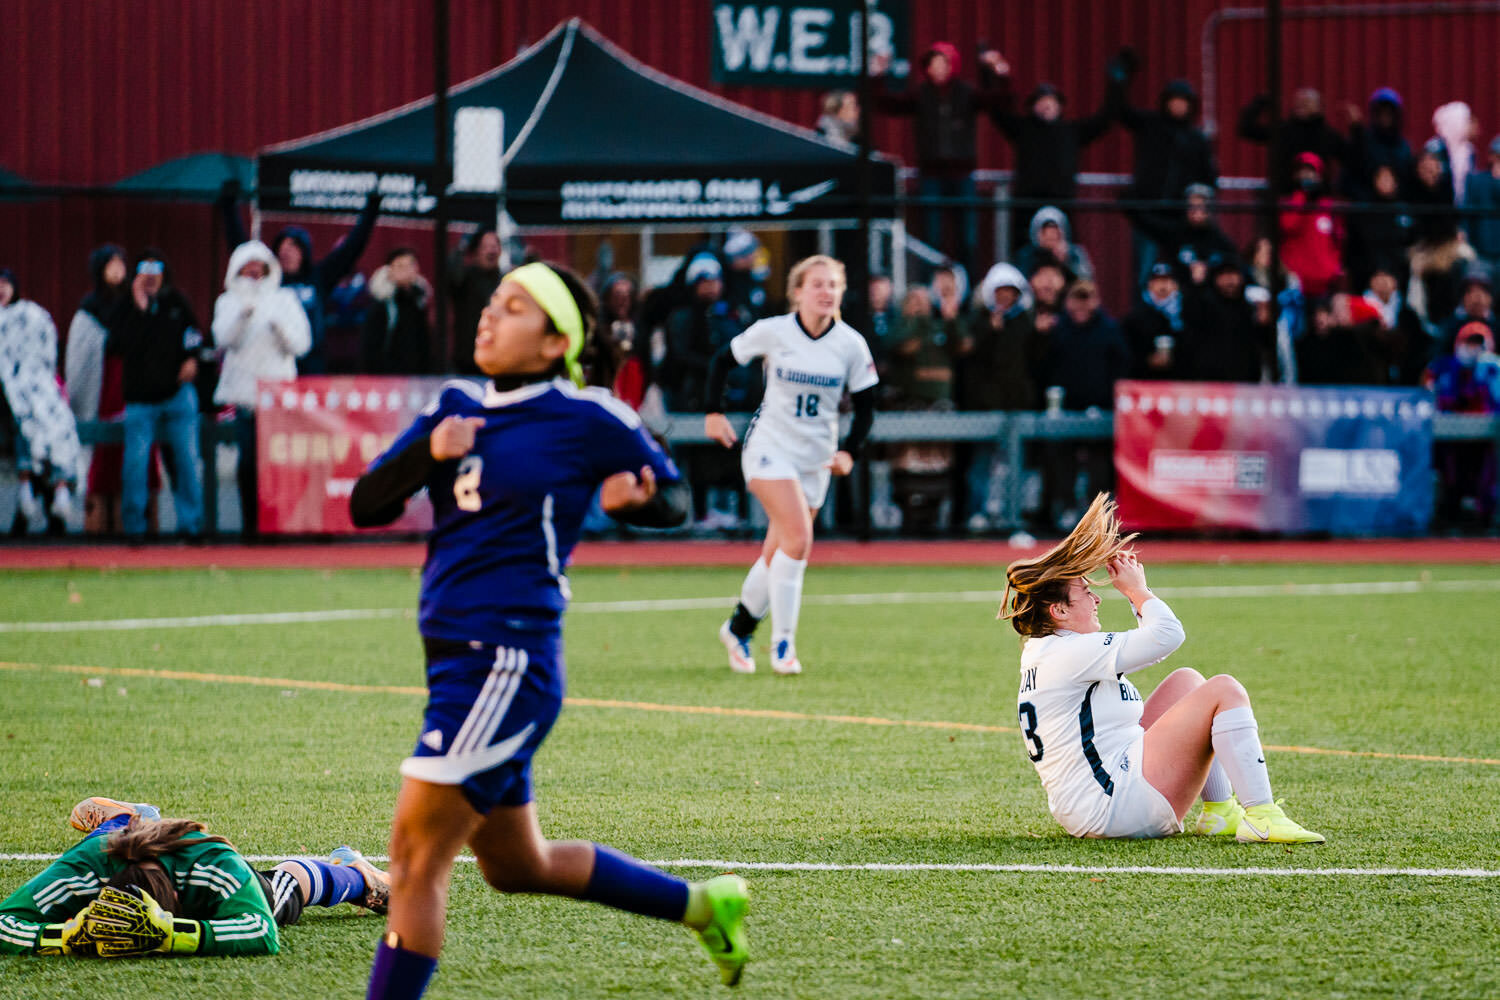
(331, 885)
(632, 885)
(398, 974)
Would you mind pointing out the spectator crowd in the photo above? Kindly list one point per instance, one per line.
(1387, 262)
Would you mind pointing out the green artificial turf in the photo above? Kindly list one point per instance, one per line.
(289, 769)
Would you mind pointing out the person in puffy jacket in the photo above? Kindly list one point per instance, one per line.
(263, 330)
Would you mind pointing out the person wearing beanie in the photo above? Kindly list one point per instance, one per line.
(1223, 342)
(747, 268)
(1046, 145)
(1154, 326)
(312, 280)
(45, 432)
(945, 110)
(1171, 153)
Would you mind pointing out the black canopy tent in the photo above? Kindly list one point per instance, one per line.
(592, 137)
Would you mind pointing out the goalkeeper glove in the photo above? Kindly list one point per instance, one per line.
(129, 922)
(71, 937)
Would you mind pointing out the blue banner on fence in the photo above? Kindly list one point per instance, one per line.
(1347, 461)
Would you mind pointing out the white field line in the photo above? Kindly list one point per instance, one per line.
(1366, 589)
(1034, 869)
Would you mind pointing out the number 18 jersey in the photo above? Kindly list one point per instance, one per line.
(806, 376)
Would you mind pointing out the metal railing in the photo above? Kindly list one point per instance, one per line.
(1011, 431)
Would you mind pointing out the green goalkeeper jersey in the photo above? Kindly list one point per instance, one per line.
(214, 886)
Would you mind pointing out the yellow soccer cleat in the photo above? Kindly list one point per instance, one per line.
(1219, 819)
(1267, 824)
(724, 938)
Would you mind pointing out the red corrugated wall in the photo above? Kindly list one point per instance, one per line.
(97, 89)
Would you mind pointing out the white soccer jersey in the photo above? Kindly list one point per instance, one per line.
(1079, 714)
(805, 378)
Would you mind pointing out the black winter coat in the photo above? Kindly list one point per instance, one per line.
(1223, 342)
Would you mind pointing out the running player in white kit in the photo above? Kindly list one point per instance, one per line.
(1112, 764)
(811, 357)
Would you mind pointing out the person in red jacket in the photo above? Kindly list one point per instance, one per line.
(1312, 235)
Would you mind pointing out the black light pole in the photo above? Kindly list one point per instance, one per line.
(860, 272)
(1273, 148)
(441, 172)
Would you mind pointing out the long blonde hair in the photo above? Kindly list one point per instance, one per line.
(1033, 585)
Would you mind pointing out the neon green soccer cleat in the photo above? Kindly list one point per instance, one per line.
(1267, 824)
(724, 937)
(1219, 819)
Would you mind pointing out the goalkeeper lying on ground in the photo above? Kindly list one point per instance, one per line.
(138, 885)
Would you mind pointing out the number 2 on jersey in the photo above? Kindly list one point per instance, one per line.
(1028, 731)
(807, 406)
(466, 483)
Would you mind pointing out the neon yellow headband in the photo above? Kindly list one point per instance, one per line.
(558, 303)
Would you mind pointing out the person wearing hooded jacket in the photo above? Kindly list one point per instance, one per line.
(997, 359)
(1380, 143)
(1312, 234)
(311, 280)
(1171, 154)
(263, 330)
(1047, 146)
(945, 110)
(1052, 242)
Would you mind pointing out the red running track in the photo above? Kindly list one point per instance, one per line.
(356, 555)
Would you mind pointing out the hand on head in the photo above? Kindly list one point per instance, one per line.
(1128, 576)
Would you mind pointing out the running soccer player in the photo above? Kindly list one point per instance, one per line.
(1112, 764)
(138, 884)
(510, 470)
(811, 357)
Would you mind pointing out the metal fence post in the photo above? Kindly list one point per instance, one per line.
(208, 456)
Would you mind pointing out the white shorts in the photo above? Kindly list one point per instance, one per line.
(763, 463)
(1137, 809)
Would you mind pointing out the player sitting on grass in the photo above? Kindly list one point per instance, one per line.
(1113, 765)
(138, 884)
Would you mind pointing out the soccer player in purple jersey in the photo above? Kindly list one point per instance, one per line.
(510, 470)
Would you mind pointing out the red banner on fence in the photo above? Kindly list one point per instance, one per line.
(1343, 460)
(315, 435)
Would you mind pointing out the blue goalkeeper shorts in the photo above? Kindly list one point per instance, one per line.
(489, 706)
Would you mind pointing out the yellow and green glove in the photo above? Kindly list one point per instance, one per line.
(124, 922)
(70, 937)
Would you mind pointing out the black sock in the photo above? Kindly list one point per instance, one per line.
(742, 623)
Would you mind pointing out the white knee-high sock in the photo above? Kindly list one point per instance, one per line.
(755, 592)
(786, 595)
(1217, 788)
(1237, 747)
